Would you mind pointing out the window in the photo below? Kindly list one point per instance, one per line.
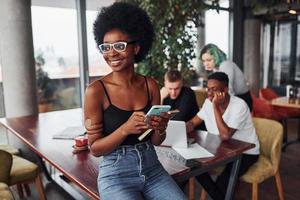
(97, 65)
(56, 52)
(282, 52)
(217, 27)
(297, 73)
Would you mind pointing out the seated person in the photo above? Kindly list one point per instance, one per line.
(229, 117)
(178, 96)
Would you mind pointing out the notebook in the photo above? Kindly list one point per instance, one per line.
(176, 137)
(70, 133)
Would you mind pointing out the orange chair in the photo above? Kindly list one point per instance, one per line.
(269, 94)
(263, 109)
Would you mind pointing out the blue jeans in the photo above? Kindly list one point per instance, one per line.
(134, 173)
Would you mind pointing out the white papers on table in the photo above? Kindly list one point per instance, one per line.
(193, 151)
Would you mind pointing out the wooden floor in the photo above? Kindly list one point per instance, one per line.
(289, 170)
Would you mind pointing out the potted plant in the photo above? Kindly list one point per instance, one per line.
(174, 43)
(45, 88)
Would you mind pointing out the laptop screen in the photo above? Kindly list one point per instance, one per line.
(176, 135)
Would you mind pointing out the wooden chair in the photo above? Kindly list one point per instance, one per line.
(270, 135)
(5, 167)
(201, 95)
(23, 172)
(10, 149)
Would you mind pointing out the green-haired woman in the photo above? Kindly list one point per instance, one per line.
(214, 59)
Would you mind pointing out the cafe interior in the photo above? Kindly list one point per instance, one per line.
(48, 57)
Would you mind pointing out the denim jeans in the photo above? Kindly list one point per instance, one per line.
(134, 173)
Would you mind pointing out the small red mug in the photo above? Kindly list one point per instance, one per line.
(81, 141)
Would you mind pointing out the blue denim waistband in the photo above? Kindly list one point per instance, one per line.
(139, 147)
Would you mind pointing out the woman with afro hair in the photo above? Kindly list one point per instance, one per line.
(115, 108)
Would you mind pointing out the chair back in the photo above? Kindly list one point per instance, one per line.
(267, 94)
(5, 166)
(270, 135)
(201, 95)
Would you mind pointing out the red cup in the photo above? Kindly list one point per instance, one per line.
(81, 141)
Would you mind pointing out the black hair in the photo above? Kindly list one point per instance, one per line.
(173, 76)
(219, 76)
(129, 19)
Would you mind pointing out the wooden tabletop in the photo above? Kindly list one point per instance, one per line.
(37, 130)
(286, 102)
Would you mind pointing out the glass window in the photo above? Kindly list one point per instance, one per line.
(217, 27)
(266, 53)
(56, 52)
(282, 52)
(97, 65)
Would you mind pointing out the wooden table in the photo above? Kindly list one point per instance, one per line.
(288, 103)
(36, 131)
(285, 102)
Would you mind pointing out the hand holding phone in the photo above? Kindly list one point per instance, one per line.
(155, 110)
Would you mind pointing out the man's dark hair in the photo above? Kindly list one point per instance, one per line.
(219, 76)
(173, 76)
(129, 19)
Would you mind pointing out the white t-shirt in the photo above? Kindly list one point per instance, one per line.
(236, 116)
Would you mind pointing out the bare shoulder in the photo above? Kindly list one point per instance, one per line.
(153, 85)
(94, 88)
(95, 91)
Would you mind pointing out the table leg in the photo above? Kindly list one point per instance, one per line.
(45, 170)
(297, 140)
(233, 178)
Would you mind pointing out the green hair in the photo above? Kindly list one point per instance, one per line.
(218, 55)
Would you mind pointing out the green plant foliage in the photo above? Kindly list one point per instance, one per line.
(174, 45)
(45, 88)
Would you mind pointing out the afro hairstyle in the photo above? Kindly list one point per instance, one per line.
(129, 19)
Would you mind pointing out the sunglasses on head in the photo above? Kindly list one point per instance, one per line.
(117, 46)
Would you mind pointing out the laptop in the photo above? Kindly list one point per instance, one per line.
(176, 135)
(177, 139)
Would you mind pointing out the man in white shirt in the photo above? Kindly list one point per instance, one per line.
(229, 117)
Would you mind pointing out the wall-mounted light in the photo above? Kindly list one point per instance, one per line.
(292, 11)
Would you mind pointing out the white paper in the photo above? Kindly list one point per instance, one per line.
(193, 151)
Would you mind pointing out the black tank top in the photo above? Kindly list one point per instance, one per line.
(114, 117)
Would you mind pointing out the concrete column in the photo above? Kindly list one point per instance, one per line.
(17, 58)
(251, 59)
(202, 75)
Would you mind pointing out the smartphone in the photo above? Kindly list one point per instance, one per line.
(157, 109)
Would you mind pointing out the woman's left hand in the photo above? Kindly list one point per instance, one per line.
(158, 123)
